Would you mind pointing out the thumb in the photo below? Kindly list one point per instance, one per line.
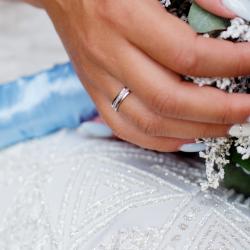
(216, 7)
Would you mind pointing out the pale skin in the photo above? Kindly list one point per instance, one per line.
(138, 44)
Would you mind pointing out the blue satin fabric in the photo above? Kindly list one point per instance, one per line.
(41, 104)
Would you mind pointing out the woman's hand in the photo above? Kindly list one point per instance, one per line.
(139, 45)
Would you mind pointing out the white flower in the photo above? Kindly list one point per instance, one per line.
(215, 156)
(165, 3)
(218, 150)
(239, 29)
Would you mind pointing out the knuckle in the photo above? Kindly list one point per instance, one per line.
(113, 12)
(165, 104)
(187, 59)
(104, 9)
(147, 126)
(228, 110)
(240, 58)
(189, 64)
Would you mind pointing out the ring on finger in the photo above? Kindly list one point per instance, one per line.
(121, 96)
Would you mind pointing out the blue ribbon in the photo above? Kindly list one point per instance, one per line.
(37, 105)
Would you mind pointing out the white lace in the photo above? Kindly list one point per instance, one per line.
(66, 192)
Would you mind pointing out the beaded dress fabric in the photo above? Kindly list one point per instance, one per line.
(69, 192)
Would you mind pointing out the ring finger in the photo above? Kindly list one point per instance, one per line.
(151, 123)
(123, 129)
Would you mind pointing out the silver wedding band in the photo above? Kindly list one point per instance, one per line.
(122, 95)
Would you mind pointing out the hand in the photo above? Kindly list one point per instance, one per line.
(139, 45)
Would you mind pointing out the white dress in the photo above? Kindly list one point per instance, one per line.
(69, 192)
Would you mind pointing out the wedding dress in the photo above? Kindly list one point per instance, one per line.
(68, 192)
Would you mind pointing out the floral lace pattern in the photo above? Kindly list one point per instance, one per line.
(67, 192)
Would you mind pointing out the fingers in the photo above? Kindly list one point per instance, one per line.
(216, 7)
(155, 125)
(166, 94)
(172, 43)
(151, 123)
(124, 130)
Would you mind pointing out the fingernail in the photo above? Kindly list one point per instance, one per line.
(240, 7)
(95, 130)
(239, 130)
(193, 147)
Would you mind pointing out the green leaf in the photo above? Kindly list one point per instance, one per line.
(236, 158)
(237, 179)
(205, 22)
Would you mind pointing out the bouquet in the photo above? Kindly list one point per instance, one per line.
(226, 159)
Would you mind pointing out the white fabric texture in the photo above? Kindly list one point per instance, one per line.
(68, 192)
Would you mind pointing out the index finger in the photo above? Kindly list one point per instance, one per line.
(173, 44)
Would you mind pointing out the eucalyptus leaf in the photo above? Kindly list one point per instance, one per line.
(204, 22)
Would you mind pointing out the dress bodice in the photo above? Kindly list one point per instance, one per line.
(68, 192)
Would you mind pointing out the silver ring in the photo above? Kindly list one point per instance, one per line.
(122, 95)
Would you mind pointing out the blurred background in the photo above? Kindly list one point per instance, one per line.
(28, 41)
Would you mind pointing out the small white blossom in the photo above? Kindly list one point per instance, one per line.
(215, 156)
(242, 145)
(165, 3)
(217, 152)
(239, 29)
(227, 84)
